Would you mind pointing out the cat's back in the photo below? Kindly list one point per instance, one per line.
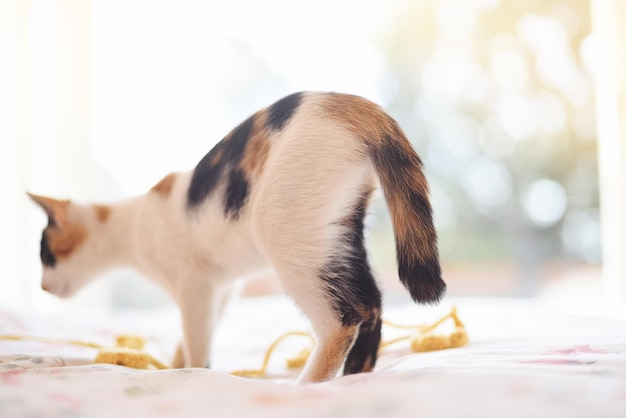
(241, 158)
(294, 152)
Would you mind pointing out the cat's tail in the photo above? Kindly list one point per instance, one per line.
(401, 175)
(406, 191)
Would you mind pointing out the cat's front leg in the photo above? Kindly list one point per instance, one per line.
(179, 357)
(197, 313)
(200, 308)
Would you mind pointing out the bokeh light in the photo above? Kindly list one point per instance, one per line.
(545, 202)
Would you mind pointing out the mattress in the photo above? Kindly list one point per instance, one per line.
(523, 359)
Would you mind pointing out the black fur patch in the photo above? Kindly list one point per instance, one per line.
(364, 352)
(223, 160)
(354, 292)
(391, 153)
(205, 177)
(235, 142)
(48, 259)
(280, 112)
(422, 279)
(348, 277)
(236, 193)
(220, 163)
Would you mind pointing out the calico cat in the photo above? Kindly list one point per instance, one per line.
(287, 188)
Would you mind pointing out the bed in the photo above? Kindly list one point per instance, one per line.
(523, 359)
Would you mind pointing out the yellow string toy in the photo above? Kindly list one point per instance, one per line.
(128, 350)
(292, 363)
(424, 340)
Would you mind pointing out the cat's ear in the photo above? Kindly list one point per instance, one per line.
(55, 209)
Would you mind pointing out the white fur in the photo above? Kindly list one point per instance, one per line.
(314, 172)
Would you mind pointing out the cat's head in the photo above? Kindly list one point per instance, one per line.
(68, 246)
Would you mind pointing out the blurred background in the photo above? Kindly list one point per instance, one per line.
(102, 98)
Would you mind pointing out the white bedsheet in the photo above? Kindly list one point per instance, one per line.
(523, 360)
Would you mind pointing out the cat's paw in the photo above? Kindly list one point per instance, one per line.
(179, 358)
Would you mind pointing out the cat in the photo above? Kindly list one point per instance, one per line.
(288, 188)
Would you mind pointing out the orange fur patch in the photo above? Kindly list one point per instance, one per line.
(164, 187)
(54, 208)
(258, 146)
(362, 117)
(102, 212)
(381, 134)
(216, 158)
(64, 241)
(333, 353)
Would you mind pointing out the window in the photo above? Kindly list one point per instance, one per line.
(105, 97)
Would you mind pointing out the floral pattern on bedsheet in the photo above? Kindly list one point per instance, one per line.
(91, 391)
(571, 374)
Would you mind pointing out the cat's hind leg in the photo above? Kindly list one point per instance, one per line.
(353, 289)
(323, 266)
(353, 301)
(346, 312)
(301, 279)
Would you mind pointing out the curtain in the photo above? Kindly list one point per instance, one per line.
(611, 119)
(45, 144)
